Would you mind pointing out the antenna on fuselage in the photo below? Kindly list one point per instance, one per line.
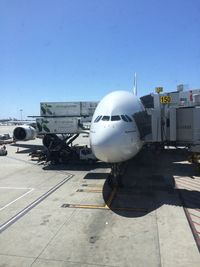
(135, 84)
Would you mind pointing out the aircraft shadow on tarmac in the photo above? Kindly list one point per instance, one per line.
(148, 181)
(149, 184)
(138, 201)
(82, 166)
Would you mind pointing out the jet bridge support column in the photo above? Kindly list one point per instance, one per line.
(172, 124)
(156, 125)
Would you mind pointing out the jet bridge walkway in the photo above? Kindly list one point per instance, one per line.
(174, 119)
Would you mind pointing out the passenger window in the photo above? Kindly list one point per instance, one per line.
(124, 118)
(106, 118)
(115, 118)
(129, 119)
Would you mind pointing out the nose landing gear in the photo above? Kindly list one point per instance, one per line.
(115, 177)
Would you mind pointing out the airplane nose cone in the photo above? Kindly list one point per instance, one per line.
(111, 147)
(100, 140)
(101, 146)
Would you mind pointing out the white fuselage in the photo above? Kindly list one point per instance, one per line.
(114, 136)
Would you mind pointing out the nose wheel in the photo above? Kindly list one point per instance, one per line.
(115, 177)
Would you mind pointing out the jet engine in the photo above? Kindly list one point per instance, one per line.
(24, 133)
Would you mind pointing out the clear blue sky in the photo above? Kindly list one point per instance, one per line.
(70, 50)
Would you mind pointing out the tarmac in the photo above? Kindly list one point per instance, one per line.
(68, 215)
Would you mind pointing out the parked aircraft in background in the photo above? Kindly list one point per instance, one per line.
(16, 122)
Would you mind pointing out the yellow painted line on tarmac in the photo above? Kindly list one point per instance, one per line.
(130, 209)
(103, 207)
(111, 197)
(79, 206)
(97, 190)
(92, 185)
(90, 190)
(107, 206)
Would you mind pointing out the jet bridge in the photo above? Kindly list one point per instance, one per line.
(175, 118)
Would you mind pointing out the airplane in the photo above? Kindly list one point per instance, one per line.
(114, 133)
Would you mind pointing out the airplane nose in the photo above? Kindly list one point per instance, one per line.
(104, 153)
(110, 146)
(100, 140)
(102, 145)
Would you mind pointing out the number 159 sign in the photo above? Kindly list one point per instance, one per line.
(165, 99)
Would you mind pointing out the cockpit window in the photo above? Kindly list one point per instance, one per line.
(115, 118)
(98, 119)
(106, 118)
(124, 118)
(129, 119)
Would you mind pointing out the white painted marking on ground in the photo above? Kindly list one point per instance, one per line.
(18, 188)
(33, 204)
(30, 190)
